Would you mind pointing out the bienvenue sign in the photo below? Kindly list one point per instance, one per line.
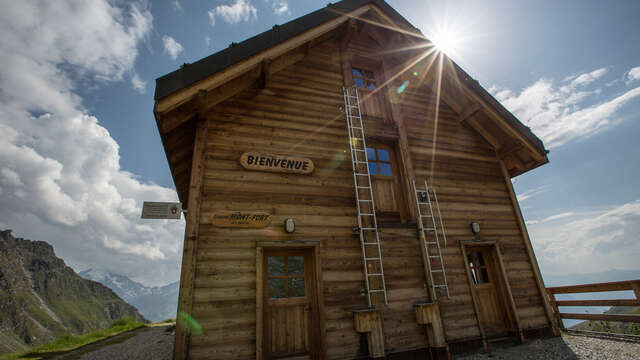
(275, 163)
(244, 219)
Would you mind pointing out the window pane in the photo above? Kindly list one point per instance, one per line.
(484, 276)
(276, 265)
(371, 86)
(356, 72)
(358, 82)
(277, 288)
(383, 155)
(368, 74)
(480, 259)
(296, 287)
(385, 169)
(373, 168)
(296, 265)
(371, 153)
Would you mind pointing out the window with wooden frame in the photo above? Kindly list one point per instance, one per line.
(379, 161)
(363, 78)
(285, 276)
(478, 268)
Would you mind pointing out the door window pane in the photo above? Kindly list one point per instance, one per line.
(296, 287)
(276, 265)
(296, 265)
(277, 288)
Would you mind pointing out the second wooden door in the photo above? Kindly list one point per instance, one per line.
(487, 288)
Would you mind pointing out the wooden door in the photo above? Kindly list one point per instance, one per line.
(385, 179)
(487, 288)
(370, 99)
(289, 293)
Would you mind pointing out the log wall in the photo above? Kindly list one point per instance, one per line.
(298, 114)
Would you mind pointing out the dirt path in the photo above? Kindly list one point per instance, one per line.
(142, 344)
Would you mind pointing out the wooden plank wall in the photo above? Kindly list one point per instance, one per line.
(470, 187)
(298, 114)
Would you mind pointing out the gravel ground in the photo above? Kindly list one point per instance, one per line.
(153, 344)
(565, 347)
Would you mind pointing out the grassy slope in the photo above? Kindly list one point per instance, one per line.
(70, 342)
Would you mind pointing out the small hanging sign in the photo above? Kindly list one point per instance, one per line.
(161, 210)
(243, 219)
(252, 160)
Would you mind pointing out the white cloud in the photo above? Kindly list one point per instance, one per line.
(531, 193)
(60, 176)
(240, 10)
(587, 78)
(560, 114)
(207, 40)
(633, 74)
(551, 218)
(171, 46)
(177, 6)
(138, 84)
(280, 7)
(605, 239)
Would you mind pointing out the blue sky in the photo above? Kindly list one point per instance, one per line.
(80, 149)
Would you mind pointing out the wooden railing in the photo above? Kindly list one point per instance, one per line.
(633, 285)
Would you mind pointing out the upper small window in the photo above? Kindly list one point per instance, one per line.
(379, 161)
(363, 78)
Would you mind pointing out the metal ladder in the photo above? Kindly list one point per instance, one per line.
(367, 221)
(423, 198)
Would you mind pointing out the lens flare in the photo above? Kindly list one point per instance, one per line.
(402, 87)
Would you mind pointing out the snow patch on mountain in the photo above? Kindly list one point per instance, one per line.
(155, 303)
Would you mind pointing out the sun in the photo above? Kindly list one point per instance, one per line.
(447, 41)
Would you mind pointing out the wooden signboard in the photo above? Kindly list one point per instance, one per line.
(243, 219)
(252, 160)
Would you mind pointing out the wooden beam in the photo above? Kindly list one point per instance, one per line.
(508, 128)
(265, 75)
(187, 276)
(621, 302)
(350, 29)
(469, 112)
(259, 302)
(597, 287)
(483, 132)
(213, 97)
(527, 242)
(180, 97)
(602, 317)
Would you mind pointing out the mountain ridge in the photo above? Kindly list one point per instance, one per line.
(156, 303)
(41, 298)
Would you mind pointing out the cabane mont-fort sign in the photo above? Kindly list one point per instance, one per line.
(251, 160)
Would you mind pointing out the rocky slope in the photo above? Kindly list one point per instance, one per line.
(42, 298)
(156, 303)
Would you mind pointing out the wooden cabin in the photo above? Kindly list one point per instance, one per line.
(301, 155)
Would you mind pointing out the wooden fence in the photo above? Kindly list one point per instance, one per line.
(598, 287)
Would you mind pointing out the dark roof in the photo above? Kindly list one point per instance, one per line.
(189, 74)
